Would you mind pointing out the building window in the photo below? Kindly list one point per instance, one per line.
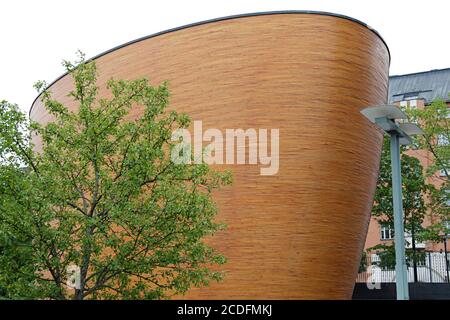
(442, 171)
(411, 104)
(386, 232)
(447, 227)
(442, 140)
(447, 203)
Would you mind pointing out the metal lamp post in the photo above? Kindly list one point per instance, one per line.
(385, 116)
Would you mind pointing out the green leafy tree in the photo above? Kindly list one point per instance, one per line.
(363, 262)
(418, 199)
(386, 254)
(434, 120)
(415, 189)
(103, 198)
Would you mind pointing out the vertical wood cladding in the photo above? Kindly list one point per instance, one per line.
(297, 234)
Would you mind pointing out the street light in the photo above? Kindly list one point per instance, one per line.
(385, 117)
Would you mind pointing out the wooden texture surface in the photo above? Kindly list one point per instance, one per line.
(297, 234)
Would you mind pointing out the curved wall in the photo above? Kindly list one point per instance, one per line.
(299, 233)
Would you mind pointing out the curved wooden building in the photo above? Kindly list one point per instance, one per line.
(297, 234)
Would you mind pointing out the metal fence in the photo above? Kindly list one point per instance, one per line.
(431, 268)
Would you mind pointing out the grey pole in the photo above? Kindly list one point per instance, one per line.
(385, 116)
(400, 261)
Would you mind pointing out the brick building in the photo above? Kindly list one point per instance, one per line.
(416, 90)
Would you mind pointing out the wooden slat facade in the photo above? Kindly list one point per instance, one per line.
(298, 234)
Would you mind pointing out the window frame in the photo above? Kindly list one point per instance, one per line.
(386, 230)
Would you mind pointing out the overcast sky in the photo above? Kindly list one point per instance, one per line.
(36, 35)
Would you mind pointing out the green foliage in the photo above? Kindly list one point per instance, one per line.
(386, 254)
(415, 192)
(363, 262)
(419, 197)
(434, 119)
(103, 195)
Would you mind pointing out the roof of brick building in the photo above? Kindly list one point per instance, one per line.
(428, 85)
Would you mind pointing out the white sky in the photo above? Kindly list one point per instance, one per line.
(36, 35)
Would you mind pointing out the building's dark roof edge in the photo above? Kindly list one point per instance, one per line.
(419, 72)
(243, 15)
(427, 102)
